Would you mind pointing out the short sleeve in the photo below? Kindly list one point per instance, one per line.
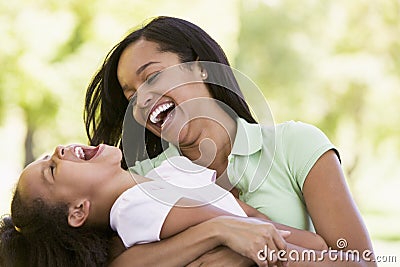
(303, 145)
(145, 166)
(182, 172)
(139, 213)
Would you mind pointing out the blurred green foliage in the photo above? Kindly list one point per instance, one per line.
(331, 63)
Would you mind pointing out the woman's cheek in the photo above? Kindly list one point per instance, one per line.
(138, 116)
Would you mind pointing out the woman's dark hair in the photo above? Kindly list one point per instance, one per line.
(105, 103)
(38, 235)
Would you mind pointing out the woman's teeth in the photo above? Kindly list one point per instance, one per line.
(166, 118)
(154, 116)
(79, 152)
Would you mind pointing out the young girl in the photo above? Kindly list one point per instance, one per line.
(64, 204)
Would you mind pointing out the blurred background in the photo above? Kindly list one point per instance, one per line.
(334, 64)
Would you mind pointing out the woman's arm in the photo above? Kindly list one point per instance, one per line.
(334, 216)
(332, 209)
(207, 229)
(189, 245)
(244, 235)
(297, 237)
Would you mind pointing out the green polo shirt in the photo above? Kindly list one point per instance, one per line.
(269, 164)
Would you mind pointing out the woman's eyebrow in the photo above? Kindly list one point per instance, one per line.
(143, 67)
(46, 157)
(125, 88)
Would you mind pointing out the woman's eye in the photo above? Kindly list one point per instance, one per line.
(151, 78)
(133, 98)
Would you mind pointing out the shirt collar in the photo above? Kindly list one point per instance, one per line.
(248, 138)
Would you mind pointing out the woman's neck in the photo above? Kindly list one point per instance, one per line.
(214, 144)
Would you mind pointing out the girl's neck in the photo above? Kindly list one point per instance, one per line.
(103, 199)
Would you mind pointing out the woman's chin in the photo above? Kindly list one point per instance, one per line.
(174, 136)
(174, 131)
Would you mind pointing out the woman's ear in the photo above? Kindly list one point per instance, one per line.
(203, 71)
(78, 213)
(203, 74)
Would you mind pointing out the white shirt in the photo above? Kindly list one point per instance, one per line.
(139, 213)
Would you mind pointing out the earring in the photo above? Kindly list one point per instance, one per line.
(203, 75)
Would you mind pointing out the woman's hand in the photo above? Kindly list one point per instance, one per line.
(249, 236)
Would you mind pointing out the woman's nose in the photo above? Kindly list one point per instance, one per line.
(143, 98)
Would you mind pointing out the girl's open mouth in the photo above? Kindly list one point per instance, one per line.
(87, 153)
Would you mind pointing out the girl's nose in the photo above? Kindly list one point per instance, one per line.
(59, 152)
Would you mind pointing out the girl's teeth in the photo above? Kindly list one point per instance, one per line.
(79, 152)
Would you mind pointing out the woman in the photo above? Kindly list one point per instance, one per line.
(65, 203)
(305, 186)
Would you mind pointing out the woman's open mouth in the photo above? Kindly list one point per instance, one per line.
(161, 113)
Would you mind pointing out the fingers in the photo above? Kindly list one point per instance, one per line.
(250, 236)
(193, 264)
(285, 234)
(220, 257)
(273, 245)
(263, 248)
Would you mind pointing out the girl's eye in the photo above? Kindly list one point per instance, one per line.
(52, 170)
(152, 78)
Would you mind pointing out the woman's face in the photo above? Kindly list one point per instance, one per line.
(70, 173)
(170, 98)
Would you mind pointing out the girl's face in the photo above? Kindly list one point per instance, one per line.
(169, 98)
(70, 173)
